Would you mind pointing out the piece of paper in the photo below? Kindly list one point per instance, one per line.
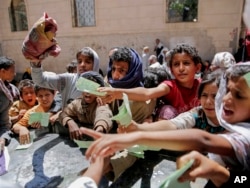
(172, 180)
(4, 161)
(41, 117)
(124, 115)
(26, 146)
(85, 85)
(138, 150)
(83, 144)
(23, 146)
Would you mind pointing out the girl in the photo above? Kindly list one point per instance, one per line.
(180, 93)
(233, 112)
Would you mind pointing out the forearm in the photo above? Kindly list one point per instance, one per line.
(157, 126)
(135, 94)
(186, 140)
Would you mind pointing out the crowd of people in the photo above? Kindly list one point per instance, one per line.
(169, 103)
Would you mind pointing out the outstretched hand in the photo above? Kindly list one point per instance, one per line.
(107, 144)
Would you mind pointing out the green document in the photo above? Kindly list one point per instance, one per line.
(124, 115)
(172, 180)
(41, 117)
(88, 86)
(138, 150)
(83, 144)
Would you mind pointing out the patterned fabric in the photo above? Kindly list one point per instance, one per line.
(41, 41)
(6, 91)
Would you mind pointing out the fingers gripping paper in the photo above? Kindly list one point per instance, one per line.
(124, 116)
(85, 85)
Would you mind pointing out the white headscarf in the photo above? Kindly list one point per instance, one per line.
(242, 148)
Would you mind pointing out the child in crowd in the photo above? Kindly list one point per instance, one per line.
(179, 93)
(201, 117)
(45, 99)
(27, 101)
(87, 60)
(72, 67)
(85, 111)
(7, 74)
(231, 148)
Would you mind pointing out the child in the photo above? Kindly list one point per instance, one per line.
(201, 117)
(87, 59)
(180, 93)
(7, 73)
(85, 111)
(28, 100)
(45, 99)
(233, 112)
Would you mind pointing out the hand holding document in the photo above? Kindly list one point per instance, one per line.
(40, 117)
(88, 86)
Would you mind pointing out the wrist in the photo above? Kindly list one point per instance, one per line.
(35, 64)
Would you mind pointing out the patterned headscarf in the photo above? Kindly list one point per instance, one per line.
(134, 76)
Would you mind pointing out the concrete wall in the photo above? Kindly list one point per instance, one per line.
(133, 23)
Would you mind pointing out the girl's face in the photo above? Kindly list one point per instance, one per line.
(84, 63)
(45, 98)
(89, 98)
(207, 101)
(184, 69)
(236, 103)
(29, 96)
(8, 74)
(119, 70)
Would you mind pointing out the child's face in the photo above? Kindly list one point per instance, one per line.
(88, 97)
(183, 68)
(8, 74)
(45, 98)
(29, 96)
(207, 100)
(119, 70)
(84, 63)
(236, 103)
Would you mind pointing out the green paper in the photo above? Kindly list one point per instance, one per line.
(83, 144)
(88, 86)
(172, 180)
(247, 78)
(41, 117)
(124, 115)
(138, 150)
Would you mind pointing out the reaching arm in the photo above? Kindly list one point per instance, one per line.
(179, 140)
(137, 94)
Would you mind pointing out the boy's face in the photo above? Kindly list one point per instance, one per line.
(8, 74)
(88, 97)
(45, 98)
(119, 70)
(29, 96)
(236, 103)
(184, 69)
(84, 63)
(207, 100)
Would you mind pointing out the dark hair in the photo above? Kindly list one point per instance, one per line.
(153, 76)
(93, 76)
(71, 66)
(208, 78)
(6, 63)
(38, 88)
(190, 50)
(121, 54)
(86, 51)
(25, 83)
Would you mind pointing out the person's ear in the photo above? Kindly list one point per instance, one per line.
(198, 67)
